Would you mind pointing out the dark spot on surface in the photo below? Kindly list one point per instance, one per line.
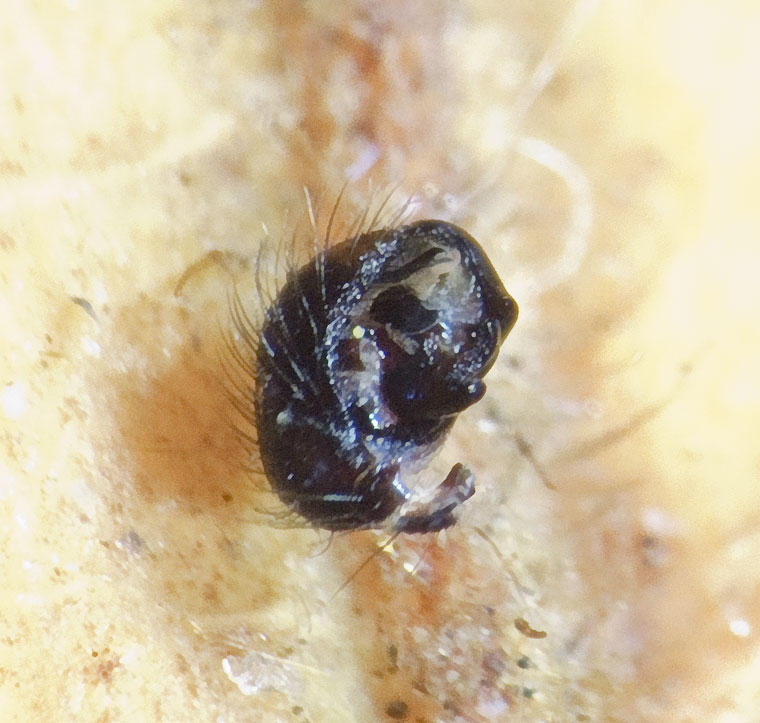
(86, 305)
(524, 627)
(397, 709)
(393, 657)
(524, 662)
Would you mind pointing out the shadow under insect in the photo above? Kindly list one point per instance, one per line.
(173, 419)
(365, 358)
(189, 501)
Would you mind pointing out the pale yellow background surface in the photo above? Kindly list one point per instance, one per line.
(606, 157)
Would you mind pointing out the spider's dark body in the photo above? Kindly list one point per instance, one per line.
(365, 358)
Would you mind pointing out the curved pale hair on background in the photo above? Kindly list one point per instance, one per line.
(604, 156)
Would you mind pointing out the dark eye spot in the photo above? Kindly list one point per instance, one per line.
(365, 357)
(400, 307)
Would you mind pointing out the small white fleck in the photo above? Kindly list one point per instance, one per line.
(31, 600)
(375, 422)
(8, 483)
(740, 627)
(487, 426)
(657, 522)
(131, 655)
(492, 708)
(31, 460)
(259, 671)
(368, 155)
(13, 400)
(91, 346)
(420, 634)
(22, 521)
(400, 487)
(100, 293)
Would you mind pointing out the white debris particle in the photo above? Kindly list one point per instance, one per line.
(91, 346)
(21, 520)
(256, 672)
(740, 627)
(492, 707)
(487, 426)
(13, 400)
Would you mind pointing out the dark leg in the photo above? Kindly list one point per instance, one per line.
(437, 515)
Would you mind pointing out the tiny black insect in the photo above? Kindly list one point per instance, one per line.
(365, 357)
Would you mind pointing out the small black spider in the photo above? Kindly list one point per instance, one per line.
(365, 357)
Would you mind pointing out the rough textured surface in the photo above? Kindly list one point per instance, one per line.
(138, 583)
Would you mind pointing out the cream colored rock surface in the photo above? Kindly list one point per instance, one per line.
(605, 156)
